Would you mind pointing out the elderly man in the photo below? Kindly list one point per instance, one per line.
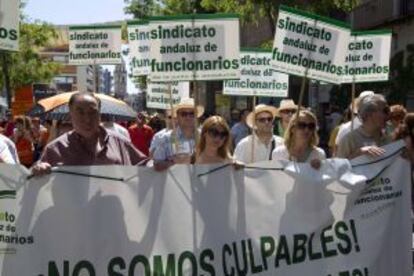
(345, 128)
(373, 111)
(88, 143)
(177, 146)
(157, 138)
(260, 144)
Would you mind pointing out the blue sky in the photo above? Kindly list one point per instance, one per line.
(65, 12)
(75, 11)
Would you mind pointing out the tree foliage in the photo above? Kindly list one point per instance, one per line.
(249, 10)
(142, 8)
(26, 66)
(145, 8)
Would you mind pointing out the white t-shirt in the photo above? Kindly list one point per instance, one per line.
(345, 128)
(8, 152)
(281, 153)
(262, 152)
(117, 129)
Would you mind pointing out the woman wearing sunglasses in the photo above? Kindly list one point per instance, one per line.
(301, 140)
(214, 143)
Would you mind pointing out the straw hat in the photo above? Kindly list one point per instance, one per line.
(259, 109)
(286, 104)
(187, 103)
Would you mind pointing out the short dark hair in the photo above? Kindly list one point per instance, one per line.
(244, 110)
(77, 95)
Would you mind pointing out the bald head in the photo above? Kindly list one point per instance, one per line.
(83, 96)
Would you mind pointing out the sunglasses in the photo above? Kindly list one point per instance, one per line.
(186, 114)
(288, 111)
(217, 134)
(302, 125)
(264, 119)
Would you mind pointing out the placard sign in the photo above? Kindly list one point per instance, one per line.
(310, 45)
(139, 47)
(194, 47)
(368, 57)
(95, 44)
(158, 94)
(258, 78)
(9, 24)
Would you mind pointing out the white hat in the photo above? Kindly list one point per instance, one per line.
(286, 104)
(259, 109)
(189, 104)
(365, 93)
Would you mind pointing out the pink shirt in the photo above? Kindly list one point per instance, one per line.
(69, 149)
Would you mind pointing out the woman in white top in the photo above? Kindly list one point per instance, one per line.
(301, 140)
(214, 143)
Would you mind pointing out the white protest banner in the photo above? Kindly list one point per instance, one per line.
(368, 57)
(158, 94)
(95, 44)
(9, 24)
(310, 45)
(194, 47)
(258, 78)
(139, 47)
(191, 220)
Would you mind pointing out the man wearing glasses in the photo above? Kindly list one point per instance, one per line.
(287, 108)
(260, 144)
(157, 138)
(177, 146)
(373, 111)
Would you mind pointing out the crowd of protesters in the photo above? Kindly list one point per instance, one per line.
(285, 132)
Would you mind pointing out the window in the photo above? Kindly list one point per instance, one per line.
(406, 7)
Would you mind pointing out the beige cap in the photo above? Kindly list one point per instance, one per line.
(189, 104)
(259, 109)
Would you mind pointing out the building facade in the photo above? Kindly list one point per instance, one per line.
(120, 81)
(107, 82)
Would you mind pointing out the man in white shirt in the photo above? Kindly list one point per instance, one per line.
(260, 144)
(8, 152)
(367, 139)
(345, 128)
(108, 123)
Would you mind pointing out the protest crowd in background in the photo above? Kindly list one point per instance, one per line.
(266, 133)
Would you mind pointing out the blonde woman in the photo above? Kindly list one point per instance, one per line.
(214, 143)
(301, 140)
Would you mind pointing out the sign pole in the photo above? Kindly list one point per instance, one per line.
(195, 85)
(353, 80)
(253, 127)
(174, 132)
(302, 92)
(352, 104)
(195, 112)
